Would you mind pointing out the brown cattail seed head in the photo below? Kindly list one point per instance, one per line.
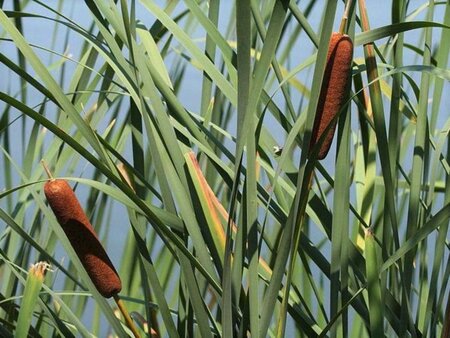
(82, 236)
(334, 91)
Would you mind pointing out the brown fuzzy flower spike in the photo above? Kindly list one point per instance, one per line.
(82, 236)
(334, 91)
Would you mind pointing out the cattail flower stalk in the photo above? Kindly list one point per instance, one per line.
(333, 93)
(82, 236)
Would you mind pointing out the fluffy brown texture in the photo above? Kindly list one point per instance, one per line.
(82, 236)
(334, 91)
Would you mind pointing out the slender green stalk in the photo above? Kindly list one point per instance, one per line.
(31, 293)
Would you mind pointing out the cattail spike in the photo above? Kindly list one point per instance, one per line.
(334, 91)
(82, 236)
(345, 16)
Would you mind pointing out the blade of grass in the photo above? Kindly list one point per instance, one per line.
(373, 286)
(415, 213)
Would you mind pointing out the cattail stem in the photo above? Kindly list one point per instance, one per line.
(126, 315)
(345, 17)
(47, 170)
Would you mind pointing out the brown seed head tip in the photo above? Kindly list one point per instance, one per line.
(334, 91)
(105, 279)
(55, 186)
(82, 237)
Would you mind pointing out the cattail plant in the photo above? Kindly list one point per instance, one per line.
(84, 240)
(333, 93)
(82, 236)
